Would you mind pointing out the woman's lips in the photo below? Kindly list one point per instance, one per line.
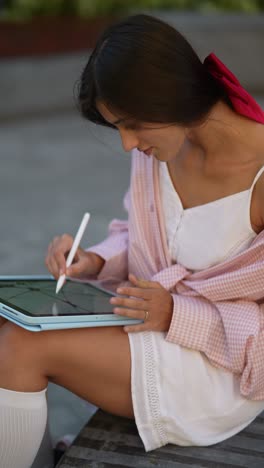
(148, 151)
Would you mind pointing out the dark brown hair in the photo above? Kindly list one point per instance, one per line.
(142, 68)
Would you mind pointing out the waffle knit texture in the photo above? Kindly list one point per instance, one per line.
(23, 418)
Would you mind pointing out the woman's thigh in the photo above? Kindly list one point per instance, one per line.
(94, 363)
(2, 321)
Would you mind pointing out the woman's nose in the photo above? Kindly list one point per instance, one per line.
(129, 139)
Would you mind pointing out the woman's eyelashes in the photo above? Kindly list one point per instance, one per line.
(132, 126)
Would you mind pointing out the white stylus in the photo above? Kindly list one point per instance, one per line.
(73, 250)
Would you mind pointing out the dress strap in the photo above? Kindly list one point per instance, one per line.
(257, 176)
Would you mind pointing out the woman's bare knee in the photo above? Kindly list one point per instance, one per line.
(19, 366)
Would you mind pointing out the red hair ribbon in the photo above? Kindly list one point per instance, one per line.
(241, 100)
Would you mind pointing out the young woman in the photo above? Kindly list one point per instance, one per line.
(192, 248)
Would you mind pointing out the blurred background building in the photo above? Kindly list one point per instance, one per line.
(54, 165)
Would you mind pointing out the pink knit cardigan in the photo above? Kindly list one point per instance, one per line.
(218, 311)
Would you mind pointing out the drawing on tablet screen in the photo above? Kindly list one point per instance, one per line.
(39, 297)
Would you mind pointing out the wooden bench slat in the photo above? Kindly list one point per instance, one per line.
(95, 458)
(233, 450)
(110, 441)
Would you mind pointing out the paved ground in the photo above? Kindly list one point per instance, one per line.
(53, 170)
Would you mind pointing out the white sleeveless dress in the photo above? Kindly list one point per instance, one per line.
(178, 396)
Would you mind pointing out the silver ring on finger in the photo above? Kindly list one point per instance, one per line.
(146, 315)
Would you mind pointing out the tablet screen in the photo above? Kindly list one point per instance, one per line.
(38, 298)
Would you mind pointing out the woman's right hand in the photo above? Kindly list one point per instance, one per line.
(84, 263)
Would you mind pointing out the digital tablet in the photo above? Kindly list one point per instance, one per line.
(31, 302)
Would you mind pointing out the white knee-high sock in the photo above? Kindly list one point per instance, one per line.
(23, 418)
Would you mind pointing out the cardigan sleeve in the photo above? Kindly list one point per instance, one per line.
(229, 333)
(194, 321)
(114, 249)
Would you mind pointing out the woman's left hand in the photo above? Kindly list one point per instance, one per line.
(147, 301)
